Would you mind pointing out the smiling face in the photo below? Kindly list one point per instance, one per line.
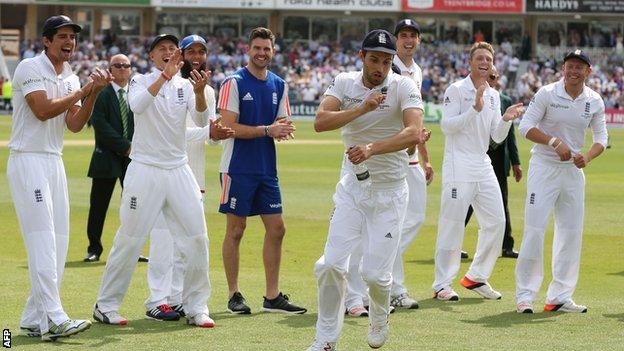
(195, 55)
(575, 71)
(260, 53)
(162, 52)
(407, 42)
(481, 64)
(377, 65)
(62, 44)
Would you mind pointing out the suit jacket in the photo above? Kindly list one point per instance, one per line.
(109, 158)
(505, 154)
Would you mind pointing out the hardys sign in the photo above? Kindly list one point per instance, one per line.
(583, 6)
(340, 5)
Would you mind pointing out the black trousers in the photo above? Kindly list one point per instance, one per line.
(101, 192)
(508, 240)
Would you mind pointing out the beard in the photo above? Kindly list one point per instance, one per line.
(185, 71)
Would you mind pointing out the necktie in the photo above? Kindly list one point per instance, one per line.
(123, 108)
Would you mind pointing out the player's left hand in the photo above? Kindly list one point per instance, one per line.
(199, 80)
(425, 134)
(100, 79)
(359, 153)
(580, 160)
(517, 172)
(428, 173)
(513, 112)
(220, 132)
(287, 129)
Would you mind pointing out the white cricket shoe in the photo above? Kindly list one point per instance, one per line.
(112, 317)
(201, 320)
(403, 301)
(483, 289)
(322, 346)
(524, 307)
(569, 307)
(446, 294)
(377, 335)
(67, 328)
(357, 311)
(30, 331)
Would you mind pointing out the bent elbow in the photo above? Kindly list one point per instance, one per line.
(318, 125)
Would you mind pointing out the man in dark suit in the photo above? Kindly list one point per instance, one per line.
(504, 157)
(113, 123)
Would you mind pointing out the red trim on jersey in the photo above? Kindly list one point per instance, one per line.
(224, 96)
(225, 188)
(287, 106)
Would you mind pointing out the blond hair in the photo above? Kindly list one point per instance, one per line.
(481, 45)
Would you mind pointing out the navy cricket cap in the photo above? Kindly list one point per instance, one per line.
(406, 23)
(190, 40)
(379, 40)
(162, 37)
(577, 54)
(56, 22)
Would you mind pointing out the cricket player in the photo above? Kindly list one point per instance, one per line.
(380, 114)
(165, 271)
(471, 116)
(254, 102)
(159, 179)
(555, 121)
(47, 98)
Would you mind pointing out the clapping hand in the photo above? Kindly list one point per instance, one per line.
(220, 132)
(199, 80)
(513, 112)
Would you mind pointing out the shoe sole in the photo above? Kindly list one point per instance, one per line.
(208, 325)
(29, 333)
(97, 319)
(411, 307)
(559, 308)
(526, 310)
(277, 310)
(54, 337)
(239, 312)
(163, 320)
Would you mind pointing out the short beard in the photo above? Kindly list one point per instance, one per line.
(185, 71)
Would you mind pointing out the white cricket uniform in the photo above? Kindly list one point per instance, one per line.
(159, 179)
(371, 216)
(165, 270)
(558, 185)
(468, 178)
(414, 217)
(38, 187)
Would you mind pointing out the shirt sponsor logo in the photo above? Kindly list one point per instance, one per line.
(233, 203)
(532, 199)
(38, 195)
(277, 205)
(30, 81)
(274, 96)
(492, 103)
(69, 87)
(454, 193)
(133, 203)
(248, 97)
(557, 105)
(587, 113)
(353, 100)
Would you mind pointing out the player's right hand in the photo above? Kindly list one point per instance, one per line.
(282, 129)
(478, 106)
(172, 67)
(563, 151)
(220, 132)
(373, 101)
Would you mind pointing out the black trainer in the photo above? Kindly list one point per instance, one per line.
(180, 309)
(281, 304)
(237, 304)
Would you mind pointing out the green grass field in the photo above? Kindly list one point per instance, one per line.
(308, 173)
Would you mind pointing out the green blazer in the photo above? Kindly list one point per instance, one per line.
(505, 154)
(109, 158)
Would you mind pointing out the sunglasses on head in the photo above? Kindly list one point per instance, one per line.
(493, 77)
(121, 65)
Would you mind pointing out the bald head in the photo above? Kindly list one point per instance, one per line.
(120, 67)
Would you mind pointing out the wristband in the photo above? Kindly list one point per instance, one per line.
(561, 142)
(164, 75)
(266, 130)
(552, 141)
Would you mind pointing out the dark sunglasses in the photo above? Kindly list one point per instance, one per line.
(493, 77)
(121, 65)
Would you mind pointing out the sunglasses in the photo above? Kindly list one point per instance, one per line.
(493, 77)
(121, 65)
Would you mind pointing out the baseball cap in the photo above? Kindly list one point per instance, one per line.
(162, 37)
(379, 40)
(406, 23)
(190, 40)
(577, 54)
(56, 22)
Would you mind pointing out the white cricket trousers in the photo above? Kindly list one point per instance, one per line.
(560, 187)
(165, 270)
(148, 191)
(485, 197)
(414, 219)
(39, 190)
(371, 217)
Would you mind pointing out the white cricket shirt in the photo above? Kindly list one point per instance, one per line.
(382, 123)
(160, 121)
(468, 132)
(196, 149)
(28, 133)
(415, 73)
(555, 113)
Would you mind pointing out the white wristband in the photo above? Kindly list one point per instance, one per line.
(552, 140)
